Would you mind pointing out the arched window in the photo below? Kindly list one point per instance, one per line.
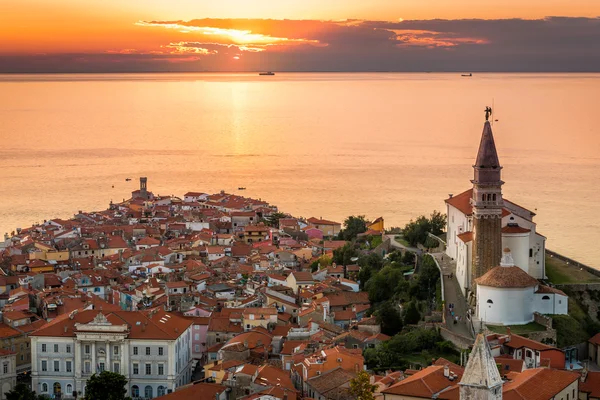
(528, 354)
(160, 391)
(69, 388)
(44, 387)
(490, 301)
(546, 298)
(135, 391)
(148, 392)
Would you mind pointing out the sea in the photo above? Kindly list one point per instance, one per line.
(327, 145)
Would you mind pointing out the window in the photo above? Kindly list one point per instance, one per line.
(5, 368)
(44, 387)
(160, 391)
(56, 348)
(546, 298)
(69, 388)
(148, 369)
(96, 289)
(68, 366)
(87, 349)
(528, 354)
(197, 348)
(116, 368)
(530, 253)
(148, 392)
(43, 347)
(161, 369)
(115, 350)
(147, 351)
(197, 336)
(135, 391)
(101, 367)
(161, 351)
(490, 301)
(135, 351)
(136, 368)
(44, 365)
(56, 366)
(88, 367)
(68, 348)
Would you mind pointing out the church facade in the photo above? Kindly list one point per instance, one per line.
(481, 222)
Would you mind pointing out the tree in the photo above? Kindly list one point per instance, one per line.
(344, 255)
(273, 219)
(353, 225)
(437, 223)
(411, 315)
(23, 392)
(106, 386)
(388, 316)
(361, 388)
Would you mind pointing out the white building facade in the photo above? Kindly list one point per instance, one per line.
(8, 372)
(506, 295)
(151, 349)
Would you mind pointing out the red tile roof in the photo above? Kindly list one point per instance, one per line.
(507, 277)
(538, 384)
(425, 383)
(199, 391)
(591, 384)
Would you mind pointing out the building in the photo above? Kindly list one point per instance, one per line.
(152, 349)
(507, 295)
(481, 222)
(329, 228)
(8, 372)
(253, 317)
(298, 280)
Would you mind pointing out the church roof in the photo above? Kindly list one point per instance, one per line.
(462, 202)
(515, 229)
(487, 156)
(481, 369)
(538, 384)
(507, 277)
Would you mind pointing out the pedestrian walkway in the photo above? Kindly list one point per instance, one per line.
(453, 295)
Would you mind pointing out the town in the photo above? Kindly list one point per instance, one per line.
(220, 296)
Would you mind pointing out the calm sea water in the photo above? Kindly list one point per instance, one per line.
(325, 145)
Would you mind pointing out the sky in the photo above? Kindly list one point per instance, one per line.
(306, 35)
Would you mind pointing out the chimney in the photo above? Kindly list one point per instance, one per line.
(446, 371)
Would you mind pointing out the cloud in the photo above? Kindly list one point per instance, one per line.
(549, 44)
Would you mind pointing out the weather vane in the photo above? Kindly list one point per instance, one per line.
(488, 112)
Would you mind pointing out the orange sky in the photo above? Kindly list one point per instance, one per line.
(63, 26)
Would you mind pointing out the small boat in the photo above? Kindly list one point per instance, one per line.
(241, 188)
(467, 75)
(127, 179)
(266, 73)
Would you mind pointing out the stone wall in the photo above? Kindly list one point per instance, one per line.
(384, 247)
(459, 341)
(543, 320)
(587, 295)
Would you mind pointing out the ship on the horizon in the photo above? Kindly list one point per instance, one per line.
(469, 74)
(266, 73)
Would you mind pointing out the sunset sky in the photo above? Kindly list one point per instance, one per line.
(318, 35)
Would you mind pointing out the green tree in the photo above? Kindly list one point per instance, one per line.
(411, 315)
(344, 255)
(273, 219)
(22, 392)
(389, 317)
(106, 386)
(361, 388)
(437, 223)
(353, 225)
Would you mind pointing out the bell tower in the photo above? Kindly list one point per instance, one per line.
(487, 206)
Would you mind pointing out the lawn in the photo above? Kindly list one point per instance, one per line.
(518, 329)
(402, 241)
(559, 272)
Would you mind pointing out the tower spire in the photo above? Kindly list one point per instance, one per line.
(481, 379)
(487, 206)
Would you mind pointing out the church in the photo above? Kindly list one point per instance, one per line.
(485, 228)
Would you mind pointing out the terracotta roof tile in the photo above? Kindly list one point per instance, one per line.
(507, 277)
